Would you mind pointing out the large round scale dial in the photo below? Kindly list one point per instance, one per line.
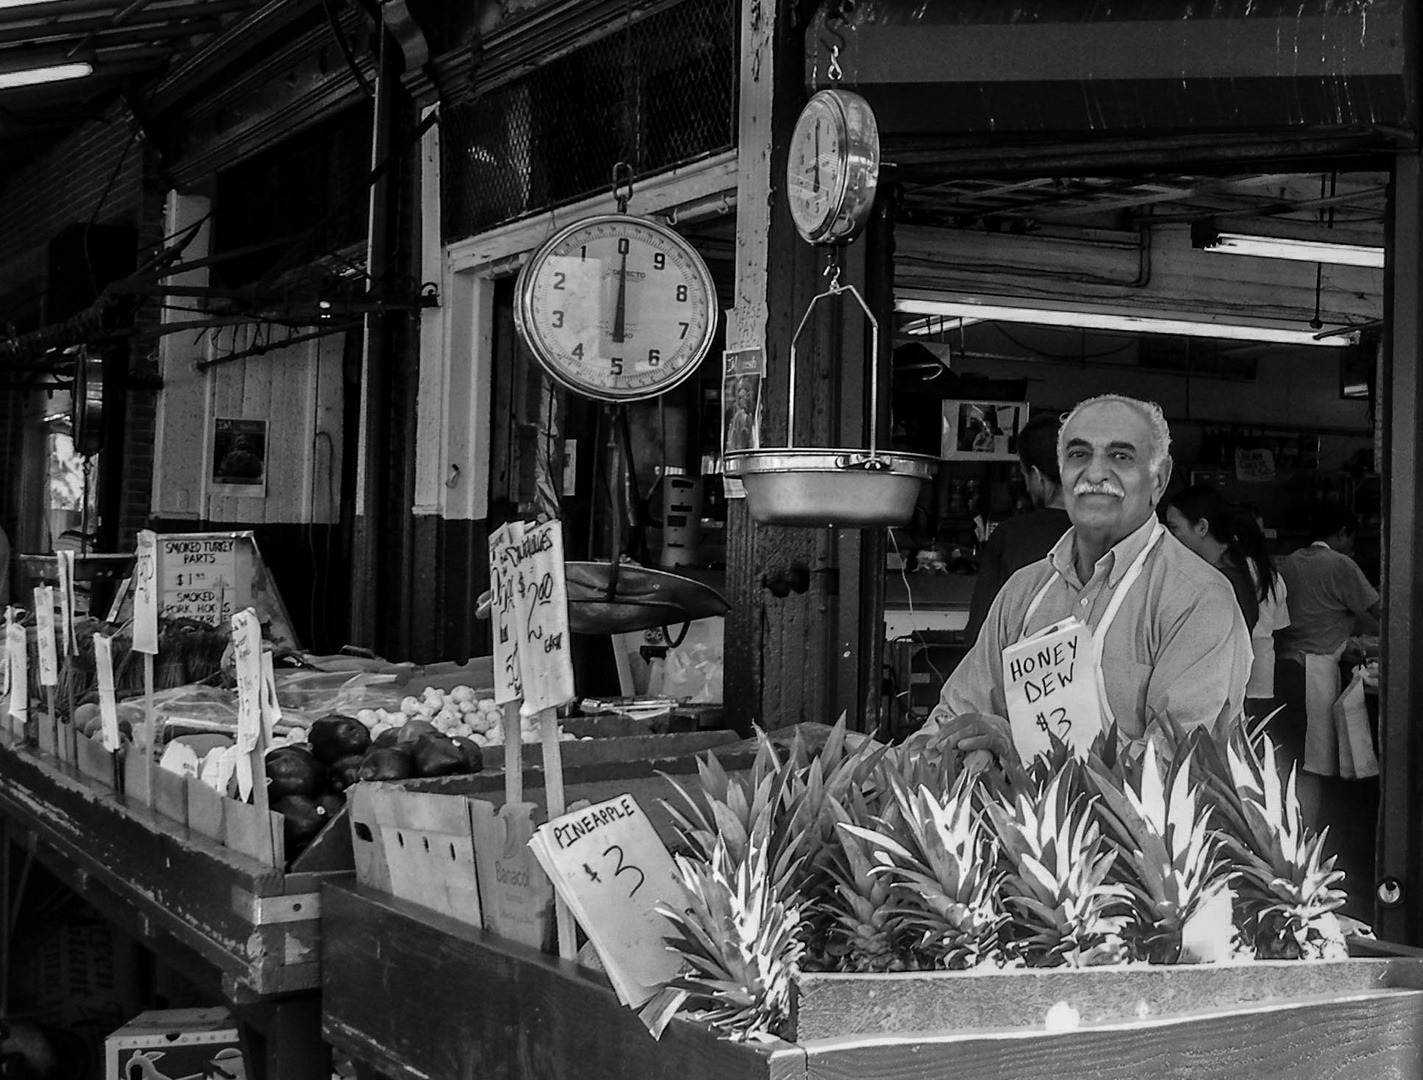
(833, 167)
(617, 308)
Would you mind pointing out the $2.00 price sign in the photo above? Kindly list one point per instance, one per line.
(508, 685)
(531, 581)
(610, 867)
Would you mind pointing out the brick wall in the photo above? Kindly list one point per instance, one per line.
(104, 173)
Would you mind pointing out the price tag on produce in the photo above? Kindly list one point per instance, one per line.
(44, 635)
(534, 564)
(19, 655)
(1050, 683)
(610, 867)
(108, 703)
(508, 686)
(65, 559)
(145, 594)
(247, 660)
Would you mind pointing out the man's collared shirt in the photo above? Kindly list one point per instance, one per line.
(1326, 593)
(1178, 644)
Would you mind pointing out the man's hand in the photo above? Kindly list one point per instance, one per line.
(972, 733)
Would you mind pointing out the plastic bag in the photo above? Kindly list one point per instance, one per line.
(692, 670)
(1357, 760)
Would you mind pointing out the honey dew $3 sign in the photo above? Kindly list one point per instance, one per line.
(617, 308)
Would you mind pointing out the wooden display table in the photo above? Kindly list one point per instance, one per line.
(411, 994)
(225, 921)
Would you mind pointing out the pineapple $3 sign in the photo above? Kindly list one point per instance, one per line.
(617, 308)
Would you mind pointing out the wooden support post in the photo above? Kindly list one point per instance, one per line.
(1399, 913)
(810, 655)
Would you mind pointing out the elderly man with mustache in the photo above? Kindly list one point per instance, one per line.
(1168, 630)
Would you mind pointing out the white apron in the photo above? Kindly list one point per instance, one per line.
(1099, 635)
(1321, 690)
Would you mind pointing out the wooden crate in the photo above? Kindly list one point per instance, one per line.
(457, 1002)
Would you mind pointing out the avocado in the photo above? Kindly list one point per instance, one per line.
(386, 737)
(342, 772)
(331, 802)
(336, 736)
(302, 819)
(386, 763)
(294, 770)
(411, 731)
(472, 751)
(437, 755)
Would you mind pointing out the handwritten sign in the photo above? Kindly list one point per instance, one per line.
(508, 685)
(1254, 466)
(534, 564)
(197, 577)
(44, 635)
(1050, 682)
(247, 660)
(19, 657)
(108, 703)
(145, 594)
(610, 867)
(65, 559)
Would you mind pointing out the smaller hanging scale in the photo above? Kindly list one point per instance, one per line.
(832, 172)
(618, 308)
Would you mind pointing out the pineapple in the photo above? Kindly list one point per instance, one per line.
(1287, 895)
(1170, 859)
(740, 941)
(1065, 911)
(858, 926)
(940, 863)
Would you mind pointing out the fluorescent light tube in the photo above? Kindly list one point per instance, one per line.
(1121, 322)
(1315, 251)
(931, 324)
(39, 75)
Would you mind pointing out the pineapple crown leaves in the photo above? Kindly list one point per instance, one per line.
(941, 862)
(740, 942)
(1056, 881)
(1163, 835)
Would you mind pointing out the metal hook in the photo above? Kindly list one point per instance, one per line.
(836, 74)
(622, 185)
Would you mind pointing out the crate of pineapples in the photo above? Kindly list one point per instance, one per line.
(870, 891)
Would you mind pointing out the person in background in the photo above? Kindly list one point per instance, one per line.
(1195, 517)
(1024, 539)
(1200, 517)
(1328, 597)
(1169, 632)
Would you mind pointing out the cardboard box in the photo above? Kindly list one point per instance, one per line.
(176, 1044)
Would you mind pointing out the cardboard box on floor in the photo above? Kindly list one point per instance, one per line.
(176, 1044)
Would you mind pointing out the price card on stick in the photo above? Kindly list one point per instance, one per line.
(610, 867)
(19, 655)
(145, 595)
(65, 559)
(541, 615)
(1050, 683)
(247, 659)
(508, 686)
(533, 562)
(44, 637)
(108, 704)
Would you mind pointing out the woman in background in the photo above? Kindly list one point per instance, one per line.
(1231, 539)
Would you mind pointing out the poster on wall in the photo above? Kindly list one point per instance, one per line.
(239, 457)
(982, 430)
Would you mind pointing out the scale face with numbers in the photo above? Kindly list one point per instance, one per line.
(617, 308)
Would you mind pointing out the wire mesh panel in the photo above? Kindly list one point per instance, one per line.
(654, 94)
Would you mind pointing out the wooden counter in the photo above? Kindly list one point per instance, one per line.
(416, 996)
(226, 922)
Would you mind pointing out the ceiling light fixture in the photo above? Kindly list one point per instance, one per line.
(1122, 322)
(37, 76)
(1315, 251)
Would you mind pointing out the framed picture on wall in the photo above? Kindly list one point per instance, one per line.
(982, 430)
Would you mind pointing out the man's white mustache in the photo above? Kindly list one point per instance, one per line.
(1106, 487)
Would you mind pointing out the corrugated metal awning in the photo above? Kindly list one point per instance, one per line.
(1058, 67)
